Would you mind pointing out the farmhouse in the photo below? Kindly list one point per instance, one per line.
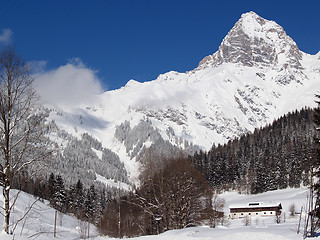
(255, 209)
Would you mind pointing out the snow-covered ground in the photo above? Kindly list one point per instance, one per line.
(112, 183)
(261, 228)
(39, 224)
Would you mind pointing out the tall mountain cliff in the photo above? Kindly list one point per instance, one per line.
(254, 41)
(257, 75)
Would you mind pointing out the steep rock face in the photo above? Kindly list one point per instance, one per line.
(254, 41)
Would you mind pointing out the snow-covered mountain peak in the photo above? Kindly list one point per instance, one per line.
(255, 41)
(257, 75)
(131, 83)
(251, 19)
(256, 27)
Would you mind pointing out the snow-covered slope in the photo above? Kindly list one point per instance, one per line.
(39, 224)
(262, 228)
(39, 221)
(257, 75)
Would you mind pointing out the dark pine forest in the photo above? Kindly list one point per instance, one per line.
(277, 156)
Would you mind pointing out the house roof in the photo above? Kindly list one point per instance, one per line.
(256, 205)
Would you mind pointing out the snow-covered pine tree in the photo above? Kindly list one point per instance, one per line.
(90, 204)
(76, 199)
(59, 196)
(50, 189)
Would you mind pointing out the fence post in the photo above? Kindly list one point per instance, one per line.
(55, 224)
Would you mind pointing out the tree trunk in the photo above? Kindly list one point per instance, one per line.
(6, 194)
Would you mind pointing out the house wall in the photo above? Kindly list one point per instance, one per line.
(267, 213)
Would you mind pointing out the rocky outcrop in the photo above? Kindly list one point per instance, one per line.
(254, 41)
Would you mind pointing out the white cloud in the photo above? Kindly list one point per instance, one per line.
(71, 84)
(5, 36)
(38, 66)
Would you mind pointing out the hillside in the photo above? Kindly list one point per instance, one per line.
(276, 156)
(39, 223)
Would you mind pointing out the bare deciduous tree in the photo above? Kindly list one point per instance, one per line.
(217, 209)
(21, 136)
(292, 210)
(174, 195)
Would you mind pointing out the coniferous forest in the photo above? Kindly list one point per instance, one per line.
(277, 156)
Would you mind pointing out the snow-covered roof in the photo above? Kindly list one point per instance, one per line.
(256, 205)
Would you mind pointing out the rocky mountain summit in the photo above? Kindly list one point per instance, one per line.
(254, 41)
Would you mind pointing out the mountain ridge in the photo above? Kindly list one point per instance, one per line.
(237, 89)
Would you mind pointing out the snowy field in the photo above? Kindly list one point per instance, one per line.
(39, 224)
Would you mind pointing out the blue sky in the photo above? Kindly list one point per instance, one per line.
(135, 39)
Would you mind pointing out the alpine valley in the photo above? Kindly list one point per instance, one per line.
(257, 75)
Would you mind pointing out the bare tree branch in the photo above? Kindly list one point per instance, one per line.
(25, 214)
(21, 138)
